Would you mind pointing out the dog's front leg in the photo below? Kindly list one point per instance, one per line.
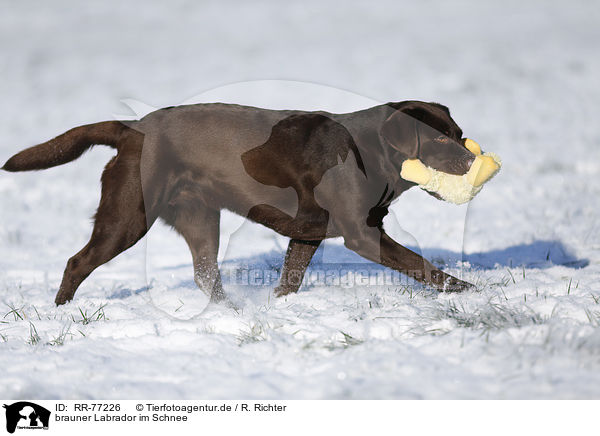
(402, 259)
(376, 245)
(297, 258)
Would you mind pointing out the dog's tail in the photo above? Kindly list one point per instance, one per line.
(66, 147)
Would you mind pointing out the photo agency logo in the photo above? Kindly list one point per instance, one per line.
(24, 415)
(275, 200)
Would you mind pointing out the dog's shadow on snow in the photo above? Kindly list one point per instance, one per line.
(264, 269)
(538, 254)
(125, 292)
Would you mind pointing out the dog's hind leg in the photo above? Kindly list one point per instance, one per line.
(120, 222)
(297, 258)
(200, 229)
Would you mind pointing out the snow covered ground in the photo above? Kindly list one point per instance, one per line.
(521, 78)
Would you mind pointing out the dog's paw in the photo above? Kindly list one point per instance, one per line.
(219, 297)
(230, 305)
(452, 284)
(62, 298)
(280, 291)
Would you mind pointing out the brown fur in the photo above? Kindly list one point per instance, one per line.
(307, 175)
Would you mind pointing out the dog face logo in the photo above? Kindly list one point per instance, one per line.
(26, 415)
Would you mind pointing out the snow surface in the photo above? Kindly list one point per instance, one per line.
(521, 78)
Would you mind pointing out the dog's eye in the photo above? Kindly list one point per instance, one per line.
(442, 139)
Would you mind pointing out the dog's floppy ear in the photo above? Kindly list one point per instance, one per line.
(402, 132)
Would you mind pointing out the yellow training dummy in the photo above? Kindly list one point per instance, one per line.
(453, 188)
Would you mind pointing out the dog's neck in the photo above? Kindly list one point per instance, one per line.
(383, 163)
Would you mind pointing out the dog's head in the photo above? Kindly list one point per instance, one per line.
(434, 154)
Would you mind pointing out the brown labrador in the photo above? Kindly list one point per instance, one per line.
(307, 175)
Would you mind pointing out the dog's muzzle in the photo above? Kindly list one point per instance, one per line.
(450, 187)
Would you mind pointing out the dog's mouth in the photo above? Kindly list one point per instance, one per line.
(453, 188)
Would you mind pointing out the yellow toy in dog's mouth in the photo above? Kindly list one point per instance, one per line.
(450, 187)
